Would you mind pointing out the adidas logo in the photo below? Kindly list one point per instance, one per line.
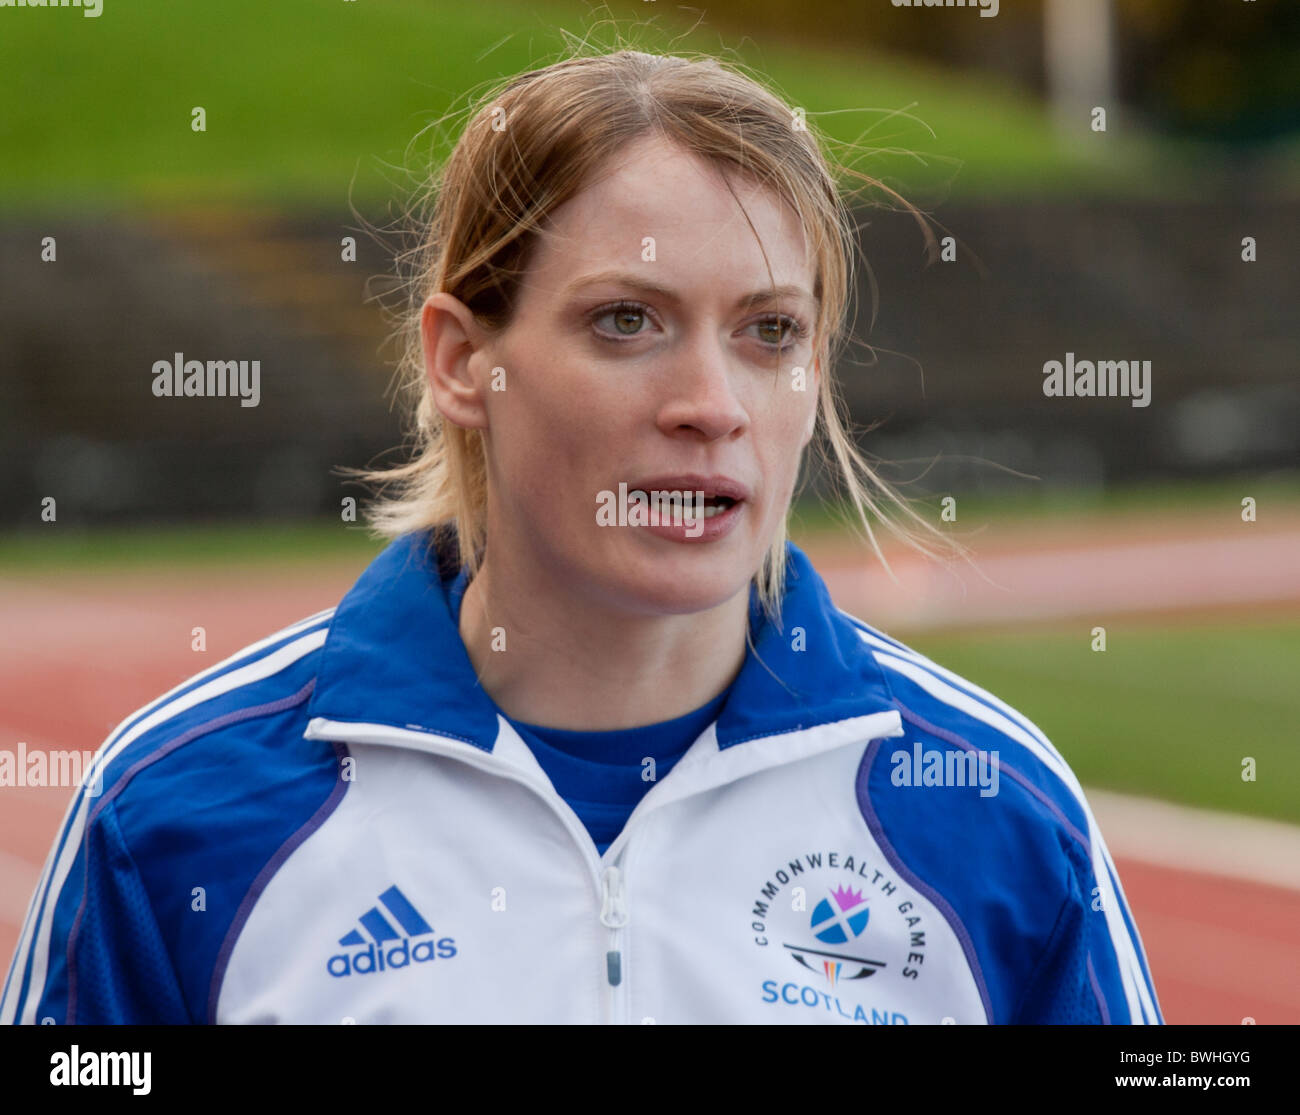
(378, 951)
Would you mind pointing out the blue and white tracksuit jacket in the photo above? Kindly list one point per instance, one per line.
(337, 824)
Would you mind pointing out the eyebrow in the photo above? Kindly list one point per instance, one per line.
(771, 294)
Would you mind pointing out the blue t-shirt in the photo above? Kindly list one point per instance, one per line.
(603, 775)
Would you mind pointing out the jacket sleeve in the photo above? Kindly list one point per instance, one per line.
(1092, 970)
(105, 961)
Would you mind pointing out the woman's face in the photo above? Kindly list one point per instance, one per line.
(645, 348)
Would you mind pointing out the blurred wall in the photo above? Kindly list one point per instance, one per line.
(959, 352)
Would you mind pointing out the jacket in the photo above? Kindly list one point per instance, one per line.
(336, 824)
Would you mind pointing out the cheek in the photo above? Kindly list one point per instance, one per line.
(546, 440)
(782, 437)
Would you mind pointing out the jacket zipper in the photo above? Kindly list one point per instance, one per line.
(614, 916)
(610, 882)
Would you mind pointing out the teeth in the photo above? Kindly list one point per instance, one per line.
(687, 507)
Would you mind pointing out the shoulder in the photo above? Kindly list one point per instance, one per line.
(977, 807)
(1017, 859)
(273, 676)
(948, 712)
(180, 811)
(219, 762)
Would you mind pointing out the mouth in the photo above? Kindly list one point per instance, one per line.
(723, 501)
(717, 489)
(684, 501)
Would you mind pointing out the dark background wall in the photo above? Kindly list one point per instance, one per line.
(955, 384)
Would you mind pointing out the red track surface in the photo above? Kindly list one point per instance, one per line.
(85, 652)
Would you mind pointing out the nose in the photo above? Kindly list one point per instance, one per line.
(699, 397)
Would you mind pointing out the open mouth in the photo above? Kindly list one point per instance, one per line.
(686, 503)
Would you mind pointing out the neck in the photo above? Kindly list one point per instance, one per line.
(569, 663)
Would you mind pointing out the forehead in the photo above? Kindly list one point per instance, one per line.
(700, 232)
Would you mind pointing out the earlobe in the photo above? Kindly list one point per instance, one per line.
(450, 339)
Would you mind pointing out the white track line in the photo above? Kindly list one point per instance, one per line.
(18, 878)
(1102, 579)
(1187, 839)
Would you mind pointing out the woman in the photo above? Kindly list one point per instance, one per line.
(594, 770)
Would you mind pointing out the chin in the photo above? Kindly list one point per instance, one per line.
(683, 581)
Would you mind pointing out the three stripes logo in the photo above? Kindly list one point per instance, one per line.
(386, 939)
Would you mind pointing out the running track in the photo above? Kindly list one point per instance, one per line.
(81, 653)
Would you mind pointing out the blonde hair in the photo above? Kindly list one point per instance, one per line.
(479, 216)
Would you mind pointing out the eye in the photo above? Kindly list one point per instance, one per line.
(781, 330)
(627, 318)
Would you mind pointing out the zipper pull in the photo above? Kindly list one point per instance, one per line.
(613, 913)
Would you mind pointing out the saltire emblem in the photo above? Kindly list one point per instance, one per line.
(837, 920)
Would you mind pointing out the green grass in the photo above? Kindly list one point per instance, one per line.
(57, 549)
(1169, 712)
(1211, 501)
(307, 102)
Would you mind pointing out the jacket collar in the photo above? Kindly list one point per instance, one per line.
(393, 656)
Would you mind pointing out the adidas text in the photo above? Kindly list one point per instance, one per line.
(370, 959)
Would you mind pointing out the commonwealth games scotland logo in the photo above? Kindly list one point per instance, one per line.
(834, 914)
(837, 920)
(842, 922)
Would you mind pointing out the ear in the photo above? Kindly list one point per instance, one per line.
(453, 344)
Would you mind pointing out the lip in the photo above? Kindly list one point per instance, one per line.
(693, 482)
(711, 529)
